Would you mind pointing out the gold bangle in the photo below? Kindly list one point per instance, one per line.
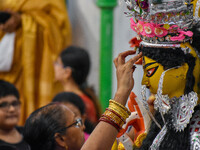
(114, 117)
(119, 110)
(116, 114)
(107, 112)
(120, 105)
(110, 121)
(113, 120)
(113, 105)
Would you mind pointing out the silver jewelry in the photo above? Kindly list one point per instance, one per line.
(161, 102)
(156, 143)
(195, 131)
(196, 17)
(182, 107)
(182, 110)
(144, 99)
(174, 17)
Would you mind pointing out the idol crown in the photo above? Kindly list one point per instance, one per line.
(164, 21)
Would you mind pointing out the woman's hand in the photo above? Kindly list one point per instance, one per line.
(13, 23)
(124, 71)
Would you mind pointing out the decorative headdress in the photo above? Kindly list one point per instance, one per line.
(163, 23)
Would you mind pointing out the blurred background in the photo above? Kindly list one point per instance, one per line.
(92, 23)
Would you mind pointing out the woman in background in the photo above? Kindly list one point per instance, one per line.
(36, 31)
(71, 70)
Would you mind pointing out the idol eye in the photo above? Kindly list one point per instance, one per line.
(151, 71)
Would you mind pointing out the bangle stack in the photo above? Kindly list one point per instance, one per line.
(115, 114)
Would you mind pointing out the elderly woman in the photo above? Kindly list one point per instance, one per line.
(54, 127)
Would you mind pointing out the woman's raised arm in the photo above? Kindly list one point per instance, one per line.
(106, 131)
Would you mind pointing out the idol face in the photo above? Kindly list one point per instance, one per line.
(174, 80)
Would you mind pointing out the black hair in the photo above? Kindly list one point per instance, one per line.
(7, 89)
(70, 97)
(7, 147)
(42, 124)
(196, 37)
(78, 59)
(170, 58)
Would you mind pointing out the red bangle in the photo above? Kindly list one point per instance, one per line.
(104, 119)
(113, 120)
(116, 114)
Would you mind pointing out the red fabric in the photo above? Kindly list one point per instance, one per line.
(90, 108)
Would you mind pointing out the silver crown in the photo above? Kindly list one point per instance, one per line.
(173, 17)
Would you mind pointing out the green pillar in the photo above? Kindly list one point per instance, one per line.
(106, 47)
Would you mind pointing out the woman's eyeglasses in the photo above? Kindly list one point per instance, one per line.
(78, 123)
(5, 105)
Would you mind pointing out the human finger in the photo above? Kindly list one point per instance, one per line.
(134, 59)
(115, 62)
(6, 27)
(9, 25)
(137, 57)
(123, 55)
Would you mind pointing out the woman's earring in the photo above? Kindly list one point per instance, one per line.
(66, 147)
